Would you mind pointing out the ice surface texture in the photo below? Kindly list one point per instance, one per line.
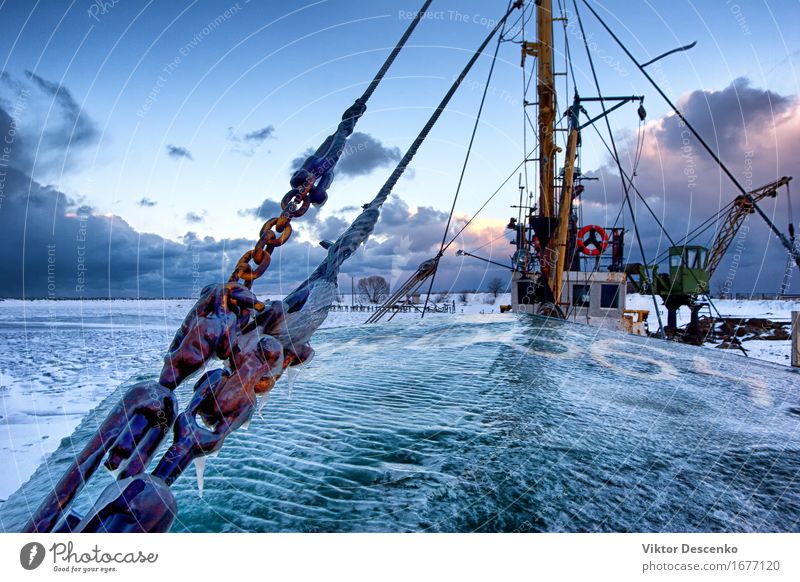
(496, 423)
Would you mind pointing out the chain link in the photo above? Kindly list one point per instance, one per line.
(274, 233)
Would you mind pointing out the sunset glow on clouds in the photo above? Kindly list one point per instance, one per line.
(183, 189)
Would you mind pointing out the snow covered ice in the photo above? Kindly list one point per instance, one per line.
(460, 422)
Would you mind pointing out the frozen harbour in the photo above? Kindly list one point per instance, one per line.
(458, 423)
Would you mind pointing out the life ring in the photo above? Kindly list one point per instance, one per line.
(592, 240)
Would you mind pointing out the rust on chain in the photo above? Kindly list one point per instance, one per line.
(274, 233)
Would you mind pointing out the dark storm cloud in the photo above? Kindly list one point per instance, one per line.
(46, 125)
(759, 139)
(395, 212)
(298, 161)
(331, 227)
(12, 143)
(362, 155)
(51, 249)
(725, 118)
(178, 152)
(146, 203)
(78, 127)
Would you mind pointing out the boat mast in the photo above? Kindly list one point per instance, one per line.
(555, 253)
(545, 88)
(558, 244)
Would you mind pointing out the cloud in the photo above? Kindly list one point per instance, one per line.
(55, 247)
(14, 148)
(362, 155)
(178, 152)
(725, 118)
(259, 135)
(755, 132)
(268, 209)
(45, 125)
(247, 144)
(83, 129)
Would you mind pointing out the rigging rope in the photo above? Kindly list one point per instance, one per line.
(616, 158)
(464, 165)
(386, 189)
(131, 434)
(793, 252)
(384, 192)
(311, 181)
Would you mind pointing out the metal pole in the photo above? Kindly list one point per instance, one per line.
(796, 339)
(545, 87)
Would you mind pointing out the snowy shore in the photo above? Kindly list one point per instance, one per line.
(776, 351)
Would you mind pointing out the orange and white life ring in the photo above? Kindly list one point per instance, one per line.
(592, 240)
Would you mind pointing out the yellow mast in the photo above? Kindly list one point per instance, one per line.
(555, 254)
(558, 244)
(545, 88)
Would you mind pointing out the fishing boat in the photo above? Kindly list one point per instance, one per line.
(579, 272)
(561, 269)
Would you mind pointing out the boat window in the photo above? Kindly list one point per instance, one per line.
(526, 292)
(675, 261)
(581, 295)
(609, 296)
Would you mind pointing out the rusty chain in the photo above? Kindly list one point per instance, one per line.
(274, 233)
(131, 435)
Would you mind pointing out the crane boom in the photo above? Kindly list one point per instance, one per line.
(743, 206)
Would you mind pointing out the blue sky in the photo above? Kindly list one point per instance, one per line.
(200, 76)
